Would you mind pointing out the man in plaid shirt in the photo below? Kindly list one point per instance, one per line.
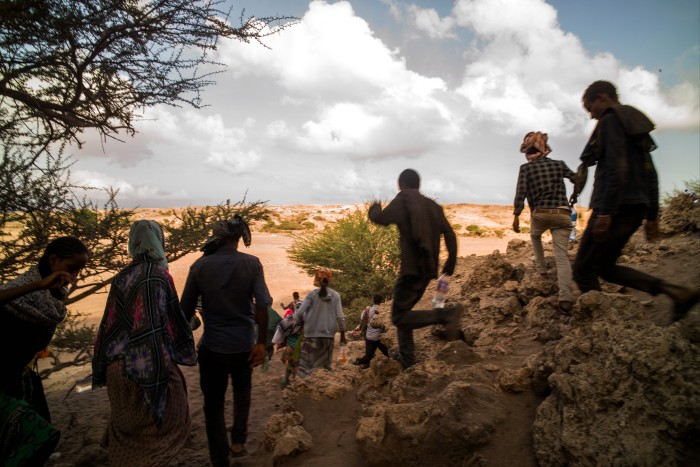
(541, 181)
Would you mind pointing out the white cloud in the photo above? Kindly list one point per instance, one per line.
(127, 191)
(364, 101)
(525, 72)
(428, 20)
(225, 148)
(334, 109)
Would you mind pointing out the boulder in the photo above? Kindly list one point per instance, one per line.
(445, 428)
(278, 424)
(292, 441)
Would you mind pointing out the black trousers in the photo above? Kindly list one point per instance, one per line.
(599, 259)
(407, 292)
(214, 372)
(371, 348)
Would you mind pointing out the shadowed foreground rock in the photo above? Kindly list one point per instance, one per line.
(623, 391)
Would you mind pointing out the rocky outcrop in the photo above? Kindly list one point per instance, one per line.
(623, 391)
(615, 388)
(432, 411)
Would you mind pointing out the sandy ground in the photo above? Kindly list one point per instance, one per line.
(82, 417)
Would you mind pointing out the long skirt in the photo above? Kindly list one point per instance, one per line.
(133, 437)
(316, 352)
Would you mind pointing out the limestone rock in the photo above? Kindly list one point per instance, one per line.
(446, 428)
(278, 424)
(293, 440)
(623, 391)
(515, 380)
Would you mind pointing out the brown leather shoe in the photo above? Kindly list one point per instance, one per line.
(238, 450)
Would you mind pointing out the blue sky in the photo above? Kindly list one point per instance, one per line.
(357, 91)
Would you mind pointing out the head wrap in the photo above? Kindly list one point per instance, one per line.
(535, 145)
(223, 230)
(146, 239)
(323, 273)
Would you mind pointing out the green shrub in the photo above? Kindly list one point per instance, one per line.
(363, 256)
(474, 230)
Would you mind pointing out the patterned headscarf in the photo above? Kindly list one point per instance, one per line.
(146, 238)
(222, 230)
(535, 145)
(323, 273)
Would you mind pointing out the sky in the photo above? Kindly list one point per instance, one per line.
(338, 104)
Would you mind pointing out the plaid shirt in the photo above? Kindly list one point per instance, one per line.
(542, 182)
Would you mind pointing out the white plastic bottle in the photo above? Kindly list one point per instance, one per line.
(342, 356)
(572, 235)
(441, 291)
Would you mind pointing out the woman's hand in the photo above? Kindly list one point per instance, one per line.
(56, 280)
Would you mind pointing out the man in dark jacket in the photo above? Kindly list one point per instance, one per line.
(234, 299)
(625, 194)
(421, 223)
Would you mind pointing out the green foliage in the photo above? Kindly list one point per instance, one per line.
(68, 65)
(457, 227)
(363, 256)
(691, 186)
(38, 203)
(188, 231)
(284, 225)
(525, 230)
(474, 230)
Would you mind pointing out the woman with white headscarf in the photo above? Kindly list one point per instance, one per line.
(142, 338)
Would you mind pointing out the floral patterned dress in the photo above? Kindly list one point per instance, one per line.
(142, 337)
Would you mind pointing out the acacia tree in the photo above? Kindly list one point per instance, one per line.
(363, 256)
(71, 65)
(39, 203)
(67, 65)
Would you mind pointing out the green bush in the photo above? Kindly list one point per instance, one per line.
(474, 230)
(286, 225)
(363, 256)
